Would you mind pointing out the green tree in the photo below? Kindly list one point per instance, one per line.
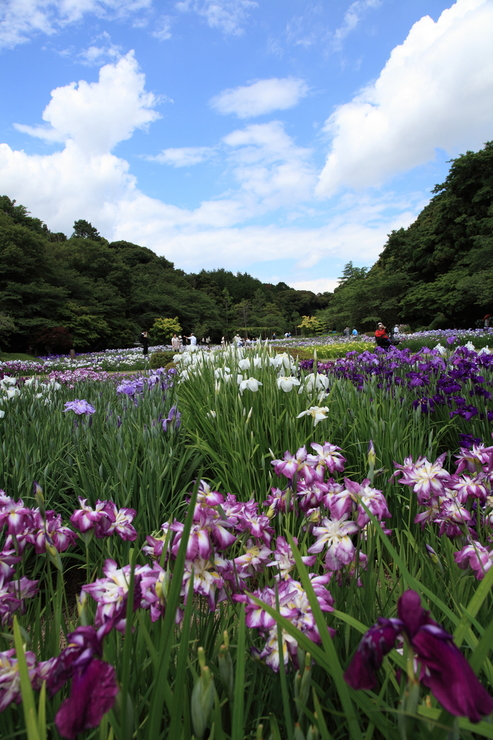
(7, 327)
(88, 331)
(310, 326)
(163, 329)
(85, 230)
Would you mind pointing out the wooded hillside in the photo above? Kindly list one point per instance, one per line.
(88, 293)
(437, 273)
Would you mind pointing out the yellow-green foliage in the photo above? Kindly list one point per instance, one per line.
(332, 351)
(163, 329)
(310, 325)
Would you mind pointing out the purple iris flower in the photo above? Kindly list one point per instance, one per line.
(94, 685)
(444, 670)
(173, 420)
(80, 406)
(92, 695)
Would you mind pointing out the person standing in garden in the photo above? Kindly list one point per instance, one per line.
(175, 343)
(144, 339)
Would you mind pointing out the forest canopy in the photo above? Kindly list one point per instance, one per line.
(88, 293)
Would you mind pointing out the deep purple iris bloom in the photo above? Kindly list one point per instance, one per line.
(94, 685)
(444, 670)
(79, 406)
(92, 695)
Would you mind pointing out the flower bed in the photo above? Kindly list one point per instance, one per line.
(238, 524)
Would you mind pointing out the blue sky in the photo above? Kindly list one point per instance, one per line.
(278, 137)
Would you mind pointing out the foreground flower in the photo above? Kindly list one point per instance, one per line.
(79, 406)
(335, 534)
(111, 593)
(105, 519)
(92, 695)
(287, 383)
(94, 685)
(443, 668)
(318, 413)
(252, 384)
(317, 382)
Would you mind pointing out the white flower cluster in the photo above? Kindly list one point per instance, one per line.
(9, 389)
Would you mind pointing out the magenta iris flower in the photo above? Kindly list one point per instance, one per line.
(105, 519)
(443, 668)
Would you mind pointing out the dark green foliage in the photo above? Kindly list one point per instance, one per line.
(56, 339)
(104, 294)
(19, 215)
(84, 230)
(439, 271)
(160, 359)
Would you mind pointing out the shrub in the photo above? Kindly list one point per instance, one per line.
(160, 359)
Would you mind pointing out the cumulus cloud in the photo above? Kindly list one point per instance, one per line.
(21, 19)
(90, 119)
(436, 91)
(86, 180)
(96, 116)
(226, 15)
(185, 156)
(260, 97)
(269, 166)
(180, 238)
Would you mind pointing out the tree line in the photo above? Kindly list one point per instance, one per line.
(438, 273)
(88, 293)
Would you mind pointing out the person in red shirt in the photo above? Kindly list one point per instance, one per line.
(381, 336)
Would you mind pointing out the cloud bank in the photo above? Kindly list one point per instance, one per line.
(394, 124)
(436, 91)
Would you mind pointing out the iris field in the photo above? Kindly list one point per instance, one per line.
(246, 545)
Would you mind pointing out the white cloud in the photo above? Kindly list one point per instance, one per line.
(106, 51)
(21, 19)
(96, 116)
(86, 180)
(320, 285)
(83, 178)
(185, 156)
(436, 91)
(162, 29)
(227, 15)
(260, 97)
(182, 239)
(352, 18)
(269, 166)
